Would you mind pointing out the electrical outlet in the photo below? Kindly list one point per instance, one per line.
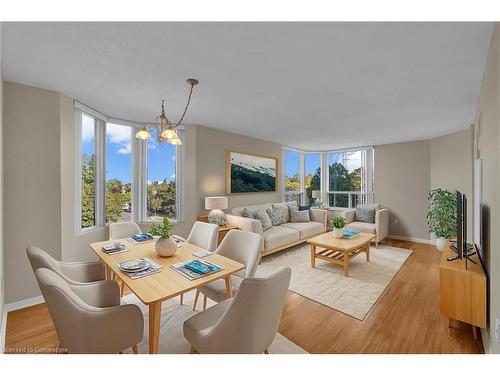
(497, 330)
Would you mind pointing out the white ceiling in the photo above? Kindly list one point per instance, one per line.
(307, 85)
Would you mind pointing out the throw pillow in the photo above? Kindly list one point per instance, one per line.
(305, 207)
(249, 212)
(284, 210)
(299, 216)
(365, 215)
(276, 215)
(264, 218)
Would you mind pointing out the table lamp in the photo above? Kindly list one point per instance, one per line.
(216, 205)
(316, 194)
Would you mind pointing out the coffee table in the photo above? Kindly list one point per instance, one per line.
(339, 250)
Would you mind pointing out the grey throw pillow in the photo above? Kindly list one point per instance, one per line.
(276, 215)
(284, 210)
(264, 218)
(365, 215)
(249, 212)
(297, 216)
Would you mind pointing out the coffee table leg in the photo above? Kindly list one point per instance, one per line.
(313, 255)
(346, 264)
(367, 251)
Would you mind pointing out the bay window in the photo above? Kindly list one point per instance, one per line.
(293, 171)
(120, 177)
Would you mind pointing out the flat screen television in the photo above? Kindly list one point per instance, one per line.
(461, 247)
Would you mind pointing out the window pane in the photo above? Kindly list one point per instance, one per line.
(312, 175)
(292, 170)
(346, 174)
(118, 173)
(88, 171)
(161, 189)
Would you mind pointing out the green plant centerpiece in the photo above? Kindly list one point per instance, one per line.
(338, 224)
(165, 245)
(442, 216)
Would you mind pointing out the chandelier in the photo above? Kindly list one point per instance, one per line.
(165, 130)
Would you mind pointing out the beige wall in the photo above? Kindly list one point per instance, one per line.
(32, 182)
(401, 183)
(211, 146)
(451, 167)
(488, 122)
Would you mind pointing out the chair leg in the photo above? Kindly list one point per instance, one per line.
(205, 298)
(266, 351)
(193, 350)
(196, 299)
(182, 298)
(135, 349)
(376, 244)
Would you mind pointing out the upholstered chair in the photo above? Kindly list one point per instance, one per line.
(89, 318)
(72, 272)
(380, 226)
(204, 235)
(119, 231)
(243, 247)
(245, 324)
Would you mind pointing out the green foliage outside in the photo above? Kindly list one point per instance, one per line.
(442, 215)
(161, 197)
(244, 180)
(163, 230)
(340, 180)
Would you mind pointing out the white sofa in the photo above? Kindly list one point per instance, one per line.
(380, 227)
(281, 236)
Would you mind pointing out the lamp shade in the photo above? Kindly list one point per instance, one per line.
(215, 203)
(316, 194)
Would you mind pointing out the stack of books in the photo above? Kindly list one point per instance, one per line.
(112, 249)
(137, 268)
(350, 233)
(194, 269)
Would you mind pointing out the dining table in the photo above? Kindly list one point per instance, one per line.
(168, 283)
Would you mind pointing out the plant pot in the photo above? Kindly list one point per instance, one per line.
(338, 233)
(165, 247)
(441, 243)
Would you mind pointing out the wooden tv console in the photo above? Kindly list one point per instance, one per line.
(463, 291)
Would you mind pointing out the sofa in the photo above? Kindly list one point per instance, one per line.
(282, 236)
(380, 227)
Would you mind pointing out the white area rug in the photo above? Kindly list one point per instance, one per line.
(354, 295)
(173, 315)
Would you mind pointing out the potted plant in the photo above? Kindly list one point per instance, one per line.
(441, 218)
(338, 224)
(165, 246)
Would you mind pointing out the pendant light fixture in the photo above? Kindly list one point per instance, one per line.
(165, 130)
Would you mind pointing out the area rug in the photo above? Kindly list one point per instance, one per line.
(354, 295)
(173, 315)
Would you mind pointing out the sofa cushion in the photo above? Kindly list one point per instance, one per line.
(264, 219)
(279, 236)
(276, 215)
(358, 226)
(250, 212)
(305, 207)
(375, 206)
(299, 216)
(284, 207)
(238, 211)
(306, 230)
(365, 215)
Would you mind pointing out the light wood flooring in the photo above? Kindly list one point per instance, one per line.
(406, 319)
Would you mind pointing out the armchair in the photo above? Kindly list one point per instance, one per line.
(380, 227)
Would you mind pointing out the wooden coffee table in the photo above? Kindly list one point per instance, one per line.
(339, 250)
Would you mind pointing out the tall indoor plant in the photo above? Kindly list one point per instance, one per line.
(165, 245)
(442, 217)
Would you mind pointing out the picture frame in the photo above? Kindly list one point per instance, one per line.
(248, 173)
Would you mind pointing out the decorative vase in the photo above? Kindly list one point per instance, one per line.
(165, 247)
(441, 243)
(217, 216)
(338, 232)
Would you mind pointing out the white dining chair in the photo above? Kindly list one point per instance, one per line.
(241, 246)
(245, 324)
(118, 231)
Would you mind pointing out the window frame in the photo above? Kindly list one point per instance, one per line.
(138, 172)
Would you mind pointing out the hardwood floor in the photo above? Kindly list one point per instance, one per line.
(406, 319)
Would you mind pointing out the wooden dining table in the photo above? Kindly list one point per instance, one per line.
(166, 284)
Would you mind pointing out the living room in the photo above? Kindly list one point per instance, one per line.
(323, 182)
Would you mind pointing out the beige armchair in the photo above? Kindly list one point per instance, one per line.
(380, 227)
(72, 272)
(243, 247)
(246, 324)
(88, 317)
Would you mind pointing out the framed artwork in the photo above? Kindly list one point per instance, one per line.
(250, 173)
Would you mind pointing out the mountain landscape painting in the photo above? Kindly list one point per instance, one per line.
(251, 173)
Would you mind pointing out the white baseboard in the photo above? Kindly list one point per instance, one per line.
(24, 303)
(411, 239)
(485, 336)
